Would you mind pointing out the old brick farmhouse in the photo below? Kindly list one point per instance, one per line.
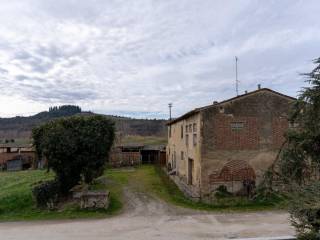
(230, 143)
(14, 156)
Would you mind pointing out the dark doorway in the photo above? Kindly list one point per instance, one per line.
(150, 156)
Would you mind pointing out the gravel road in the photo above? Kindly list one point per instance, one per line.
(147, 218)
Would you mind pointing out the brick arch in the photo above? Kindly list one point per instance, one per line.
(234, 170)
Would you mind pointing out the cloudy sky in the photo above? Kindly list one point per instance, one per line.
(134, 57)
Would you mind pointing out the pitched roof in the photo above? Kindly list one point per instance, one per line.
(15, 145)
(197, 110)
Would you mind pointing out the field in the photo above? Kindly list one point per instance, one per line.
(17, 203)
(144, 140)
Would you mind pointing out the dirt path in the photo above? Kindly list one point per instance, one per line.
(147, 218)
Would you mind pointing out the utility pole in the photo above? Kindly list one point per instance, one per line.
(237, 81)
(170, 107)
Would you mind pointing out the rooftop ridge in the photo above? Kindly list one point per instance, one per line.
(196, 110)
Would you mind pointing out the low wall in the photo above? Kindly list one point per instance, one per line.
(189, 191)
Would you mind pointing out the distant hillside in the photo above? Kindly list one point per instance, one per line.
(20, 127)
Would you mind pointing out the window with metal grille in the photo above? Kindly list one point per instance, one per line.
(237, 125)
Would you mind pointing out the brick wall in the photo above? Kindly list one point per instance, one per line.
(4, 157)
(227, 138)
(264, 122)
(118, 158)
(279, 127)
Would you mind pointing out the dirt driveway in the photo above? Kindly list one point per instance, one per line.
(147, 218)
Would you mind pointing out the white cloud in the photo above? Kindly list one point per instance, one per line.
(133, 57)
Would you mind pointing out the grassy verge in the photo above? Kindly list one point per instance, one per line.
(17, 203)
(233, 203)
(153, 181)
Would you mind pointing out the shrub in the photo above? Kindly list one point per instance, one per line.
(304, 209)
(265, 194)
(222, 192)
(76, 147)
(309, 236)
(46, 194)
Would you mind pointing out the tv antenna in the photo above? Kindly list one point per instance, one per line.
(237, 81)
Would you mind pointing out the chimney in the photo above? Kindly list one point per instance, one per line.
(215, 102)
(245, 92)
(259, 86)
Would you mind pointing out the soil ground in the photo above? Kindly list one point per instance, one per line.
(146, 217)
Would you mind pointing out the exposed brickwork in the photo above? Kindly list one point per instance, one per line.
(4, 157)
(236, 139)
(235, 170)
(279, 127)
(246, 131)
(119, 158)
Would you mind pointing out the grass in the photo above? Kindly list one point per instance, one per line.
(17, 140)
(17, 203)
(154, 181)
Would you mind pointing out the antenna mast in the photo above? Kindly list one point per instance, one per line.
(237, 81)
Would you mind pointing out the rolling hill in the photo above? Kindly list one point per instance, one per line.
(20, 127)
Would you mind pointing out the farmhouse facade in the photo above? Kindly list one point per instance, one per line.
(15, 156)
(231, 143)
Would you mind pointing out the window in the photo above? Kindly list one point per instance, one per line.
(174, 159)
(187, 140)
(181, 131)
(194, 127)
(170, 131)
(182, 155)
(186, 128)
(190, 127)
(293, 125)
(237, 125)
(195, 139)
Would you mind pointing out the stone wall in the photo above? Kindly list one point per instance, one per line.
(189, 191)
(184, 146)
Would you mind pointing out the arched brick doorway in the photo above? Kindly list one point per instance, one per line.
(232, 175)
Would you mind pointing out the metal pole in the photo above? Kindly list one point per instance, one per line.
(237, 87)
(170, 106)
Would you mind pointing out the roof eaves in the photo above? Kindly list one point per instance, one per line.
(190, 113)
(184, 116)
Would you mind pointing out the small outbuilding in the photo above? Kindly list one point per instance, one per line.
(14, 156)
